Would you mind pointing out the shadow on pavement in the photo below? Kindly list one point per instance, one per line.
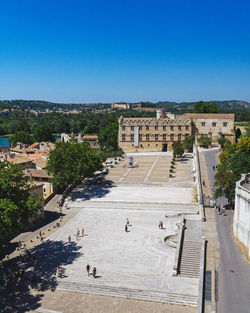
(33, 270)
(93, 190)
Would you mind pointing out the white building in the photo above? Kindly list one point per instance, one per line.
(241, 227)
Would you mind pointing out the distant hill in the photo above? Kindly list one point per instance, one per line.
(186, 106)
(226, 105)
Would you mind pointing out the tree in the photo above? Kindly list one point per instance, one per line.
(108, 137)
(247, 131)
(234, 161)
(43, 133)
(188, 143)
(16, 205)
(71, 162)
(204, 142)
(237, 133)
(21, 136)
(205, 107)
(178, 148)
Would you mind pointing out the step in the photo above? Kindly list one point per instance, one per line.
(190, 259)
(121, 292)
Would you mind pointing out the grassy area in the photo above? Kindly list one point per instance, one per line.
(241, 123)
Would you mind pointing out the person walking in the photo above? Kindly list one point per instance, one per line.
(94, 272)
(88, 268)
(69, 238)
(82, 232)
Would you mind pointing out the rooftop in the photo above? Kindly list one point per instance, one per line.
(210, 115)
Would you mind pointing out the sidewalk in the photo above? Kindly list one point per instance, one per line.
(47, 226)
(210, 232)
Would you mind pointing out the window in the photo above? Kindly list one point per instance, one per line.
(156, 127)
(140, 137)
(171, 136)
(132, 137)
(156, 137)
(123, 127)
(179, 136)
(140, 127)
(203, 124)
(147, 127)
(132, 127)
(187, 127)
(171, 127)
(179, 127)
(147, 137)
(123, 137)
(186, 135)
(164, 127)
(225, 124)
(164, 137)
(214, 124)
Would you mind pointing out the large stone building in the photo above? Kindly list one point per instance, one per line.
(159, 133)
(241, 226)
(213, 125)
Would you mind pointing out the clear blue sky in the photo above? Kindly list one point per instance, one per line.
(102, 51)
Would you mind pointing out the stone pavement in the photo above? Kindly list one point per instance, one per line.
(137, 264)
(210, 232)
(74, 302)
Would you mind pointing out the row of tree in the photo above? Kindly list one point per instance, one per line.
(234, 161)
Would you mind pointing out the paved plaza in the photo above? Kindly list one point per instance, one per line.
(136, 264)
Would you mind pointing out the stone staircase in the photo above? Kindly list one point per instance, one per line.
(190, 259)
(188, 208)
(128, 293)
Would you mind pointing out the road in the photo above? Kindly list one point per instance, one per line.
(233, 292)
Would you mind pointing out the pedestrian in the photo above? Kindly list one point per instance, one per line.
(94, 272)
(40, 234)
(218, 210)
(69, 238)
(213, 168)
(221, 209)
(203, 182)
(88, 268)
(161, 224)
(57, 271)
(82, 232)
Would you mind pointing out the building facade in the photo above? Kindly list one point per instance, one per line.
(213, 126)
(159, 133)
(241, 225)
(152, 134)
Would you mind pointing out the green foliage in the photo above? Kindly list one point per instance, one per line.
(247, 131)
(71, 162)
(21, 136)
(234, 161)
(204, 142)
(206, 107)
(16, 206)
(43, 133)
(178, 148)
(238, 133)
(108, 137)
(188, 143)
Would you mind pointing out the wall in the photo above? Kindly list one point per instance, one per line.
(241, 225)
